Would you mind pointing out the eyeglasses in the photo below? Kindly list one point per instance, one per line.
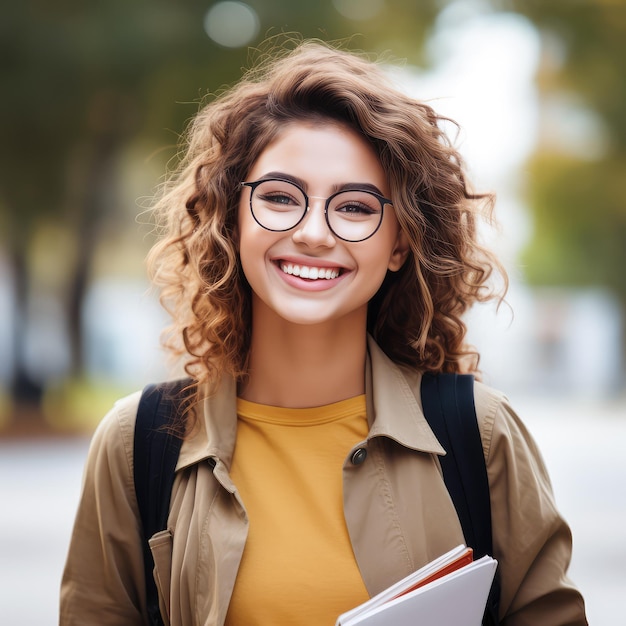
(279, 205)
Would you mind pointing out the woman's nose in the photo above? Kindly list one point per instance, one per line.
(313, 230)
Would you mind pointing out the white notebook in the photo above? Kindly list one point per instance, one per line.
(457, 598)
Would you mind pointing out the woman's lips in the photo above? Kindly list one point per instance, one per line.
(311, 278)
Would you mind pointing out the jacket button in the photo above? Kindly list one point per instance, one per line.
(358, 456)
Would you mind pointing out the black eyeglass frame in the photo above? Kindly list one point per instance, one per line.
(253, 185)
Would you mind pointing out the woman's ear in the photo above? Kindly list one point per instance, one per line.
(400, 252)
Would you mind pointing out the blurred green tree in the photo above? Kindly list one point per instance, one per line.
(83, 80)
(576, 179)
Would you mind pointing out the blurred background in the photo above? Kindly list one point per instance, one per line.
(94, 98)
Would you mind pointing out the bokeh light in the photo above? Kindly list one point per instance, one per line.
(231, 24)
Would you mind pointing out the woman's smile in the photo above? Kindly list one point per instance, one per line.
(310, 276)
(308, 272)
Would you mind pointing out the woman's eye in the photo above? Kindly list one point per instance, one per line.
(356, 209)
(277, 198)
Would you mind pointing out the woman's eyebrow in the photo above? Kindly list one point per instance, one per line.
(286, 177)
(358, 187)
(336, 188)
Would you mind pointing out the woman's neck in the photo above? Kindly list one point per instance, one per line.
(298, 366)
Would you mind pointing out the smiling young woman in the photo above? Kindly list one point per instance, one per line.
(318, 256)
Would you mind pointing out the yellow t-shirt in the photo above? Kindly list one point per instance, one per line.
(298, 566)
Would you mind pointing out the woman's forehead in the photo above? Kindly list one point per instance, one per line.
(321, 154)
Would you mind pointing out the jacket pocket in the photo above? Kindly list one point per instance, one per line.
(161, 548)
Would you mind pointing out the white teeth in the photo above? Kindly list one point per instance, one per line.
(312, 273)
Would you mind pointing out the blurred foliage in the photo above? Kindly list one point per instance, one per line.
(578, 197)
(580, 222)
(78, 405)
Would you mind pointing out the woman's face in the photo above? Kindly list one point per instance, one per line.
(308, 275)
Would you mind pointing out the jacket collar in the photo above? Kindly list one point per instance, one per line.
(394, 403)
(393, 406)
(216, 428)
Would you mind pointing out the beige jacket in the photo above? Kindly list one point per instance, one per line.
(397, 509)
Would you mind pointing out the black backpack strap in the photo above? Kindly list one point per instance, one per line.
(155, 453)
(448, 403)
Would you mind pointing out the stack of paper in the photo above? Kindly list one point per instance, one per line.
(450, 591)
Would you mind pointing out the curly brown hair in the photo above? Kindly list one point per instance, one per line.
(416, 317)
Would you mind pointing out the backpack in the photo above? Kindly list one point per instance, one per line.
(448, 403)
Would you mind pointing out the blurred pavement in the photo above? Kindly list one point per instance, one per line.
(583, 443)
